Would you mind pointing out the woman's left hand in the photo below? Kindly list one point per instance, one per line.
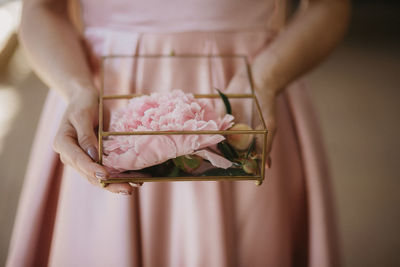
(267, 98)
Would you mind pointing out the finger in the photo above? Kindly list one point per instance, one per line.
(270, 137)
(122, 189)
(271, 127)
(268, 109)
(130, 175)
(72, 154)
(87, 167)
(84, 126)
(239, 84)
(135, 184)
(66, 145)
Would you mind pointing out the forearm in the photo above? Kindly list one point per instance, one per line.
(308, 38)
(54, 48)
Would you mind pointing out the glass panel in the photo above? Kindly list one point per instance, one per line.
(192, 74)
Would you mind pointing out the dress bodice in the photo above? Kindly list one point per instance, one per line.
(183, 15)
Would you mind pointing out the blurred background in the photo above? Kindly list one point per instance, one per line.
(356, 93)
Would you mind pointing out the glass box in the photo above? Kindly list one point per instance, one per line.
(204, 76)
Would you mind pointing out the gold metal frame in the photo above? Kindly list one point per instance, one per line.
(101, 133)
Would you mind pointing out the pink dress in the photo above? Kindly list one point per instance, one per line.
(63, 220)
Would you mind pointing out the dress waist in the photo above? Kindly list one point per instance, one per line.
(158, 16)
(103, 41)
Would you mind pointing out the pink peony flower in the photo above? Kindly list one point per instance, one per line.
(174, 111)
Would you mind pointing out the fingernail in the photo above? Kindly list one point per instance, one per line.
(100, 175)
(92, 152)
(125, 193)
(135, 184)
(269, 162)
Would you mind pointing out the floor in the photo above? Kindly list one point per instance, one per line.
(356, 93)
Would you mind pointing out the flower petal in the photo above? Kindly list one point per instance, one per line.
(172, 111)
(215, 159)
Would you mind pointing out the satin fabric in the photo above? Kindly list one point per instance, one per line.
(63, 220)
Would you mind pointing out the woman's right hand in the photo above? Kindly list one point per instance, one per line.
(77, 144)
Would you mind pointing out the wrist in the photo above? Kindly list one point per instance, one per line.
(81, 90)
(265, 76)
(265, 84)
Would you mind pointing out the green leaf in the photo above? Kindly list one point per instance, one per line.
(159, 169)
(186, 162)
(251, 148)
(192, 162)
(228, 151)
(225, 172)
(233, 150)
(226, 102)
(178, 162)
(175, 172)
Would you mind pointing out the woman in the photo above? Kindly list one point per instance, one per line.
(64, 221)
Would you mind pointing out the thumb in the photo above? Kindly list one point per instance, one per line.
(267, 103)
(241, 108)
(86, 136)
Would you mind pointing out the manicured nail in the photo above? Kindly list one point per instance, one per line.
(92, 152)
(269, 162)
(100, 175)
(125, 193)
(135, 184)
